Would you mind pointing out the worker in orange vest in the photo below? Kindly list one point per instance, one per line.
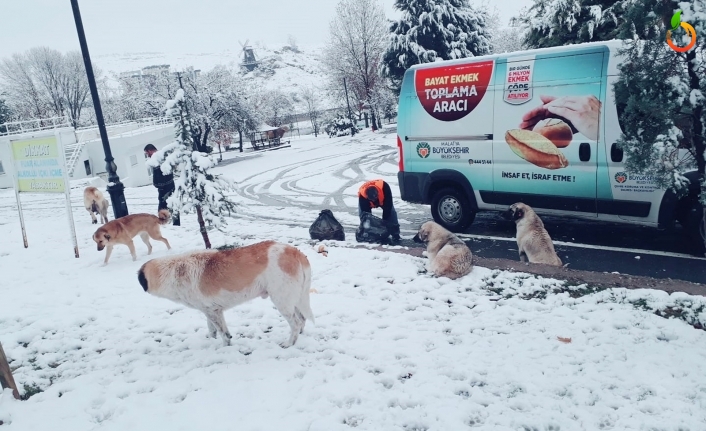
(377, 194)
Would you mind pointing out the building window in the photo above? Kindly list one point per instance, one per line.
(133, 160)
(2, 168)
(87, 165)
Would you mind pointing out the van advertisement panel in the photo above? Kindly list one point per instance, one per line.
(451, 114)
(546, 140)
(452, 92)
(518, 82)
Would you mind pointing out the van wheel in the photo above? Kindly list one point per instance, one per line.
(450, 208)
(694, 229)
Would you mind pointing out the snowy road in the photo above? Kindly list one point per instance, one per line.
(298, 182)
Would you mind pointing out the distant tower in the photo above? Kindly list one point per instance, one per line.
(249, 62)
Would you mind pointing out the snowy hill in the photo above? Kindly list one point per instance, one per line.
(281, 68)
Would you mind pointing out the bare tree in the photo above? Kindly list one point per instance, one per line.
(74, 86)
(275, 107)
(355, 48)
(310, 97)
(22, 91)
(44, 82)
(502, 38)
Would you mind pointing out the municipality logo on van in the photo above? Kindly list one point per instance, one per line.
(423, 150)
(621, 177)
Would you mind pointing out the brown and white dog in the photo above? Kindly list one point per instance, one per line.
(533, 241)
(448, 255)
(212, 281)
(124, 229)
(95, 203)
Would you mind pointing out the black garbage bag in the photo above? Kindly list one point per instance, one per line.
(326, 227)
(372, 229)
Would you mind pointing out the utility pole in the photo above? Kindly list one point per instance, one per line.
(350, 115)
(115, 188)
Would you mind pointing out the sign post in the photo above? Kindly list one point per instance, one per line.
(40, 167)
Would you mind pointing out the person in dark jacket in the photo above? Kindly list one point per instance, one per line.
(164, 184)
(377, 194)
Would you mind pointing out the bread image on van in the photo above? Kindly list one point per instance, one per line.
(538, 127)
(536, 149)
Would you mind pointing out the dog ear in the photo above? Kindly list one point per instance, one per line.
(519, 214)
(107, 236)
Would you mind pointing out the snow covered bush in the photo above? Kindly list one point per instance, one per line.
(196, 189)
(339, 126)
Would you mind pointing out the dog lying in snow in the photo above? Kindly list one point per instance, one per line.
(448, 255)
(213, 281)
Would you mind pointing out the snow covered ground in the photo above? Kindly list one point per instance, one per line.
(392, 348)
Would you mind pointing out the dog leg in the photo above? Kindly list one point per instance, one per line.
(93, 216)
(287, 310)
(523, 257)
(157, 236)
(211, 328)
(219, 322)
(131, 246)
(108, 250)
(301, 319)
(146, 239)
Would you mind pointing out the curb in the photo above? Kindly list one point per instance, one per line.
(572, 276)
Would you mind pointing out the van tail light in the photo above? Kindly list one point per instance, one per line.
(399, 145)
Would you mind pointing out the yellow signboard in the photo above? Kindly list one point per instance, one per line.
(39, 165)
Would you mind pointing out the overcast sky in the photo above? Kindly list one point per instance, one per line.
(178, 26)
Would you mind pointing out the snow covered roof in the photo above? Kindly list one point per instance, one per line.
(266, 128)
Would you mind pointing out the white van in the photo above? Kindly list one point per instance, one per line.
(538, 127)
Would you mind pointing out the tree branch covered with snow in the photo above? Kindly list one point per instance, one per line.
(432, 30)
(660, 96)
(563, 22)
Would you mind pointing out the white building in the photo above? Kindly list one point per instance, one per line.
(84, 149)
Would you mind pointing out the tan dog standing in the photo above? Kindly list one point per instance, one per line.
(212, 281)
(448, 255)
(533, 241)
(124, 229)
(95, 203)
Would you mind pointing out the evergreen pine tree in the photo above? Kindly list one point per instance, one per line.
(660, 97)
(431, 30)
(564, 22)
(195, 188)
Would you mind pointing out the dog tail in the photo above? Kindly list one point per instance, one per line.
(164, 216)
(141, 278)
(303, 305)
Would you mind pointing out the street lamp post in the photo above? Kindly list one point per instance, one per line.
(116, 189)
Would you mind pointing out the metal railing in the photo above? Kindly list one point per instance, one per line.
(72, 153)
(139, 123)
(28, 126)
